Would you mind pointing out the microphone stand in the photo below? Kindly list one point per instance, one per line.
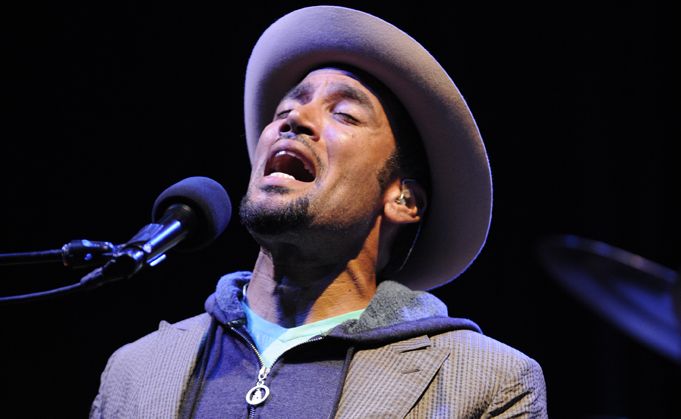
(75, 254)
(146, 248)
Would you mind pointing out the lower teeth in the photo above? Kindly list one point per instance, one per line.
(281, 175)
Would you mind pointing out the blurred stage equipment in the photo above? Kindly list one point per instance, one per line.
(640, 297)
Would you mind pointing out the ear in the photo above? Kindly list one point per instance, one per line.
(404, 201)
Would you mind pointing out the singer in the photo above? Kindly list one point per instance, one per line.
(370, 185)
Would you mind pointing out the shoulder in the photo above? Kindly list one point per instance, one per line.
(495, 360)
(136, 372)
(166, 331)
(509, 379)
(474, 347)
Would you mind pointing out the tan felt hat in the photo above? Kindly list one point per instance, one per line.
(460, 208)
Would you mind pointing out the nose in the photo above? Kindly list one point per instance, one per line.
(300, 121)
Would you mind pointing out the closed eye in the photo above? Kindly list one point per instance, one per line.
(347, 117)
(283, 114)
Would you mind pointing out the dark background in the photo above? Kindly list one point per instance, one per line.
(106, 105)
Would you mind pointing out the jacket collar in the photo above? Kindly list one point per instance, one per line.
(395, 312)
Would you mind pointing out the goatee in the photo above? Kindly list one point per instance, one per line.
(262, 220)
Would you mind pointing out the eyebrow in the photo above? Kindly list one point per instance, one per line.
(303, 92)
(300, 93)
(348, 92)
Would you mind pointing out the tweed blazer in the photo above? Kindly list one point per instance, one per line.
(456, 374)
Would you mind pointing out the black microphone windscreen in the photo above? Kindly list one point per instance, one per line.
(208, 199)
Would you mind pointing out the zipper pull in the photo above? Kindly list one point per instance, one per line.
(258, 393)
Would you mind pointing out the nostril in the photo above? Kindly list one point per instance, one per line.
(305, 130)
(286, 127)
(297, 128)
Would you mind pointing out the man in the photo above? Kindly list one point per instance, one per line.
(369, 178)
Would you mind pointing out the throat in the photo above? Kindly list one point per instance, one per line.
(291, 302)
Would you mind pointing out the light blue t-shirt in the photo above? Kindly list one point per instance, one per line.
(273, 340)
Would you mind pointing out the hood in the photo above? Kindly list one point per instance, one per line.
(394, 313)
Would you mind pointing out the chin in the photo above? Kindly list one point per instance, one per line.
(263, 219)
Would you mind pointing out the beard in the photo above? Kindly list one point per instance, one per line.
(261, 220)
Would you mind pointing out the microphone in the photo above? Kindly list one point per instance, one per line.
(188, 215)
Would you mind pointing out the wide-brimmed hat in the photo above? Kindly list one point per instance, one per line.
(460, 207)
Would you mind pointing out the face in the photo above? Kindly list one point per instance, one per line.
(317, 163)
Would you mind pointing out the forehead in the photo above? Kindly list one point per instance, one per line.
(331, 73)
(334, 73)
(336, 82)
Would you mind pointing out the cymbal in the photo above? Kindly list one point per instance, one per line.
(640, 297)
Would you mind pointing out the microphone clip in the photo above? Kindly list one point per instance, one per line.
(83, 253)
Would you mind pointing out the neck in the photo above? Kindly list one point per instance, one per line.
(292, 291)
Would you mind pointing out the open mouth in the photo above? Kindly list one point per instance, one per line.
(287, 164)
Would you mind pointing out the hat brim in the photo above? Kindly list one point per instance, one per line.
(460, 208)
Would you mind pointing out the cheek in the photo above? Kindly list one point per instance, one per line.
(269, 134)
(344, 145)
(364, 154)
(359, 152)
(356, 175)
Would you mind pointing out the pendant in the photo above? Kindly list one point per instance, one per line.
(260, 392)
(257, 394)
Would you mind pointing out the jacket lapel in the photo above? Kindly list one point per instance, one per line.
(170, 365)
(388, 381)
